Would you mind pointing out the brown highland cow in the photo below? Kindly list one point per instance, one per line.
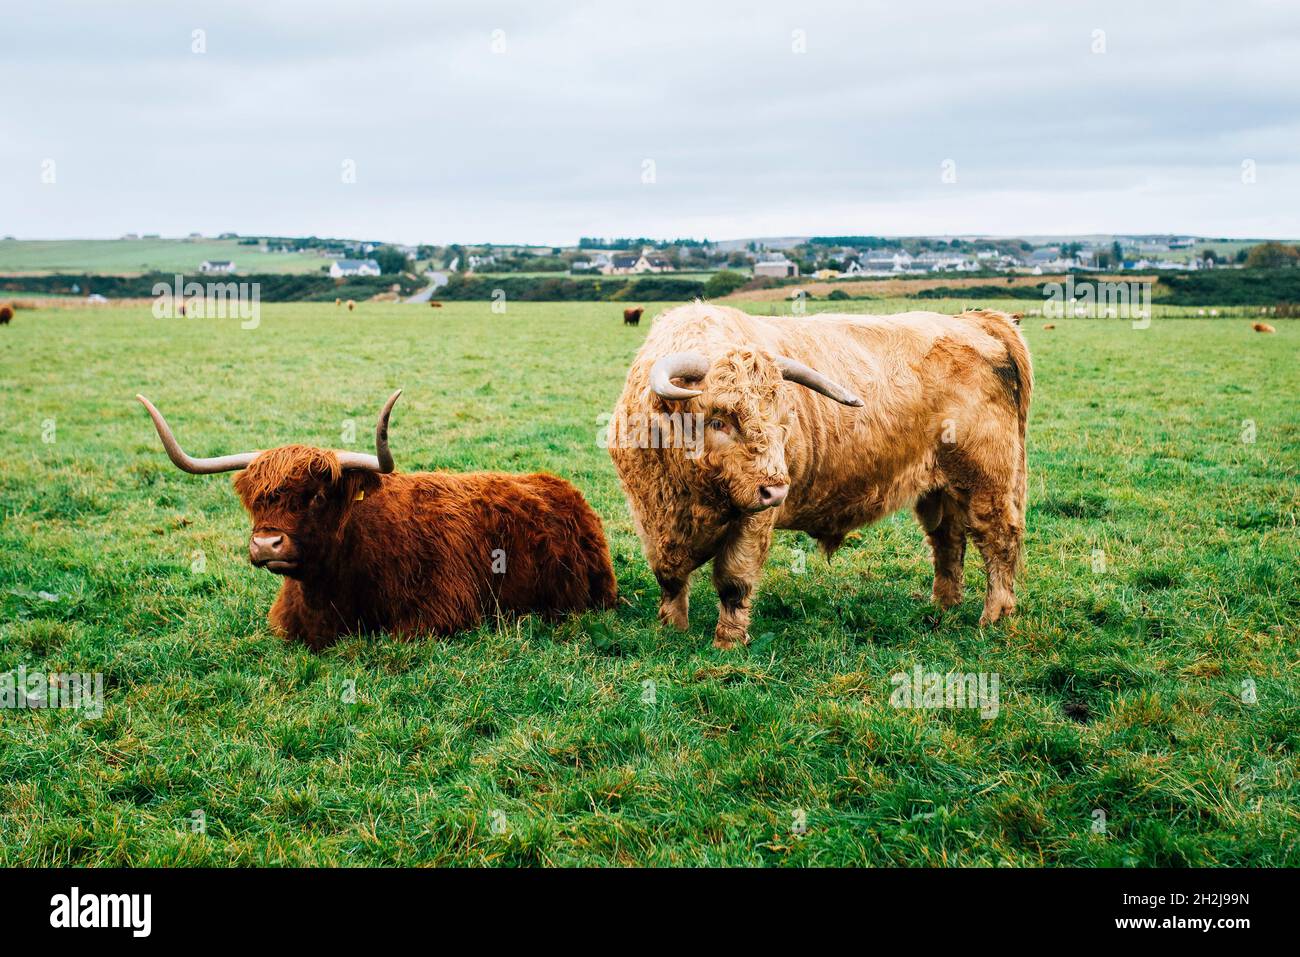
(786, 442)
(363, 548)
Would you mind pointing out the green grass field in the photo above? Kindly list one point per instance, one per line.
(133, 256)
(1121, 690)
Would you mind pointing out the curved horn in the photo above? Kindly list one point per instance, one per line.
(684, 365)
(382, 460)
(186, 463)
(793, 371)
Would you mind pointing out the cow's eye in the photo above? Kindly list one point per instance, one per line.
(718, 425)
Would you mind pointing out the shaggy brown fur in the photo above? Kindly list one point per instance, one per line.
(1263, 327)
(6, 314)
(943, 426)
(425, 552)
(632, 317)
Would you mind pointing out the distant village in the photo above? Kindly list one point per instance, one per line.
(1190, 268)
(824, 258)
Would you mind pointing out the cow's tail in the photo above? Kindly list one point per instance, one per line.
(1019, 367)
(1018, 373)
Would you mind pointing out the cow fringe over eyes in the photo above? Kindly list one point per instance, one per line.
(285, 468)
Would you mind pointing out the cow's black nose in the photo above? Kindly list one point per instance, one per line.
(770, 496)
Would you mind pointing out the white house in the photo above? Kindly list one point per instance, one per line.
(597, 262)
(779, 268)
(886, 262)
(1049, 259)
(652, 262)
(940, 261)
(217, 266)
(620, 264)
(354, 267)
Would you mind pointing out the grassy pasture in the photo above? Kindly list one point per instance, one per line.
(1120, 690)
(124, 257)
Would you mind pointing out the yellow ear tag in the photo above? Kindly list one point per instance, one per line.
(360, 495)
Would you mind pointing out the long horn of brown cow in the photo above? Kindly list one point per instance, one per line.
(793, 371)
(382, 460)
(678, 365)
(187, 463)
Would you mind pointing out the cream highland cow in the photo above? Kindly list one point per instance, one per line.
(825, 424)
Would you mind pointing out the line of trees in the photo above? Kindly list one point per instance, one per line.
(627, 242)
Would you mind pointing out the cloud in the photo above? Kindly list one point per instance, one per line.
(547, 138)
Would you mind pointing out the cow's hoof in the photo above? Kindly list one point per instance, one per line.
(946, 598)
(729, 639)
(995, 612)
(674, 616)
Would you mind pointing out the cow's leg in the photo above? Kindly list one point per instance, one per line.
(293, 617)
(995, 525)
(736, 568)
(674, 595)
(672, 559)
(945, 527)
(672, 563)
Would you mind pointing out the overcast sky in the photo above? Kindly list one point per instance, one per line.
(548, 129)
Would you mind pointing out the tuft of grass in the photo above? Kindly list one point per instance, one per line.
(1150, 673)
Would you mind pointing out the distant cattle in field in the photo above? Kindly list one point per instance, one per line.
(338, 302)
(6, 314)
(1049, 325)
(351, 305)
(1263, 327)
(632, 317)
(434, 303)
(363, 548)
(822, 424)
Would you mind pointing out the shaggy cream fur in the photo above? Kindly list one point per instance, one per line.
(945, 398)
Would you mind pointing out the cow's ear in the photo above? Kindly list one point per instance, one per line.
(356, 484)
